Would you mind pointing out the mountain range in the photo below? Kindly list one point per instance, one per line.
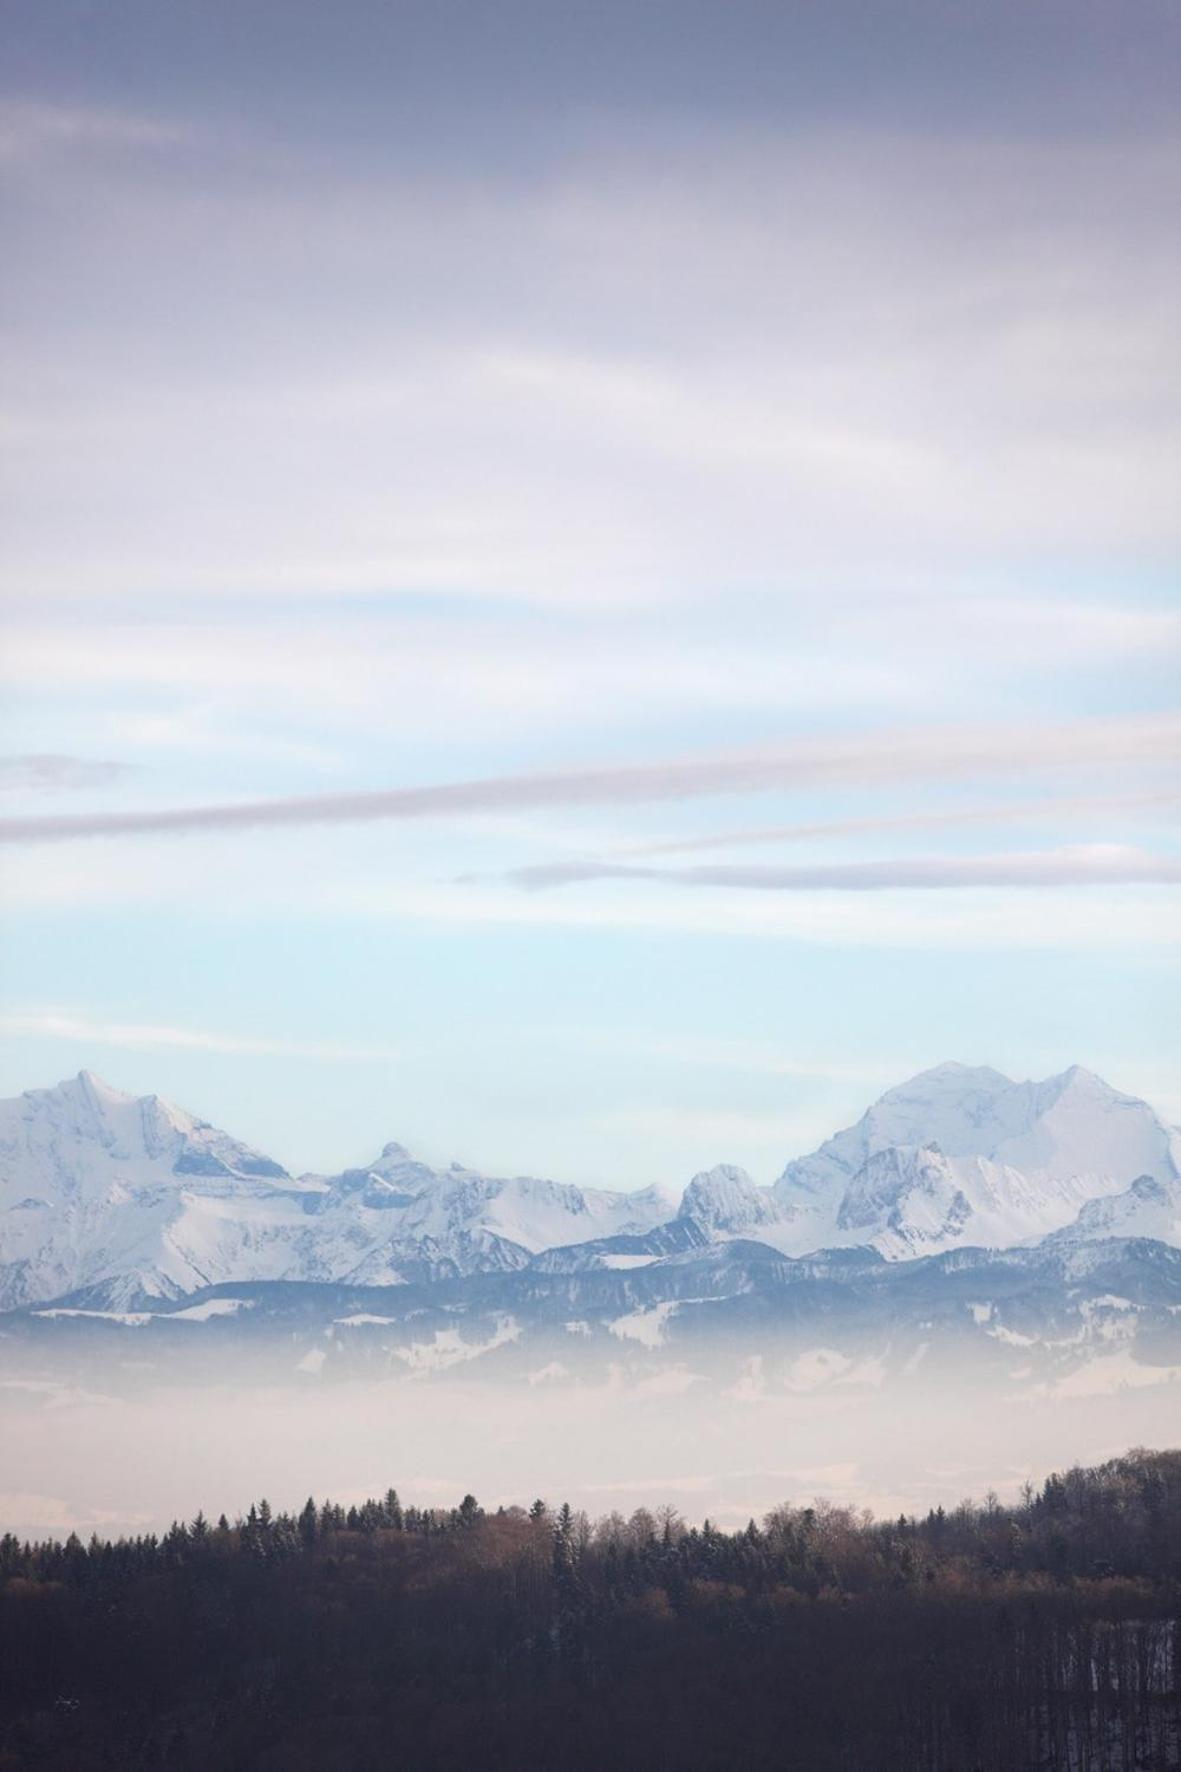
(111, 1201)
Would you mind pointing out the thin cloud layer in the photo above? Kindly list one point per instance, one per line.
(1078, 806)
(55, 1024)
(915, 754)
(1107, 865)
(47, 772)
(30, 129)
(576, 430)
(831, 351)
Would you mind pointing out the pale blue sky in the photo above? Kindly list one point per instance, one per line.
(768, 409)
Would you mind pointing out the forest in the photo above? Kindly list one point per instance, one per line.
(988, 1638)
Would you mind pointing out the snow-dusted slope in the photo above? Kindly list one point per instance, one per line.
(1149, 1208)
(124, 1198)
(1074, 1125)
(465, 1222)
(130, 1197)
(956, 1156)
(72, 1140)
(97, 1186)
(963, 1155)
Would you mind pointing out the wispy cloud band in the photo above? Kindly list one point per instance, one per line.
(1090, 866)
(864, 759)
(46, 771)
(1074, 806)
(56, 1024)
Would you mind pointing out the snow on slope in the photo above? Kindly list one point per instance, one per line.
(122, 1198)
(726, 1199)
(963, 1155)
(77, 1138)
(459, 1220)
(97, 1187)
(958, 1155)
(1074, 1125)
(1149, 1208)
(130, 1197)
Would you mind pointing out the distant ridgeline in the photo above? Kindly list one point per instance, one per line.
(988, 1639)
(964, 1217)
(123, 1202)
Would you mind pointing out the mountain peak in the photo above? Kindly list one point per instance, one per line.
(1077, 1077)
(952, 1073)
(89, 1094)
(725, 1198)
(1023, 1156)
(87, 1084)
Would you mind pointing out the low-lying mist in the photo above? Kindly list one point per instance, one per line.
(80, 1455)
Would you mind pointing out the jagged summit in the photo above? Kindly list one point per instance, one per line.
(1150, 1207)
(87, 1099)
(956, 1072)
(725, 1198)
(93, 1084)
(86, 1091)
(130, 1126)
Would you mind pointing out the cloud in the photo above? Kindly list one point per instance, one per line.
(29, 129)
(360, 883)
(1043, 809)
(404, 671)
(865, 759)
(829, 350)
(1091, 865)
(193, 682)
(56, 1024)
(46, 771)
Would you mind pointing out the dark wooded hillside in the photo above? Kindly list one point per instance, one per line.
(986, 1639)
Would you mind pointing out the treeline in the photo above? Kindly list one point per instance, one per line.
(984, 1639)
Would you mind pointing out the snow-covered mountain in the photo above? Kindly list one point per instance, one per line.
(100, 1186)
(963, 1155)
(120, 1199)
(124, 1198)
(458, 1221)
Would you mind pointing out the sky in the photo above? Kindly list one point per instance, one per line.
(585, 587)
